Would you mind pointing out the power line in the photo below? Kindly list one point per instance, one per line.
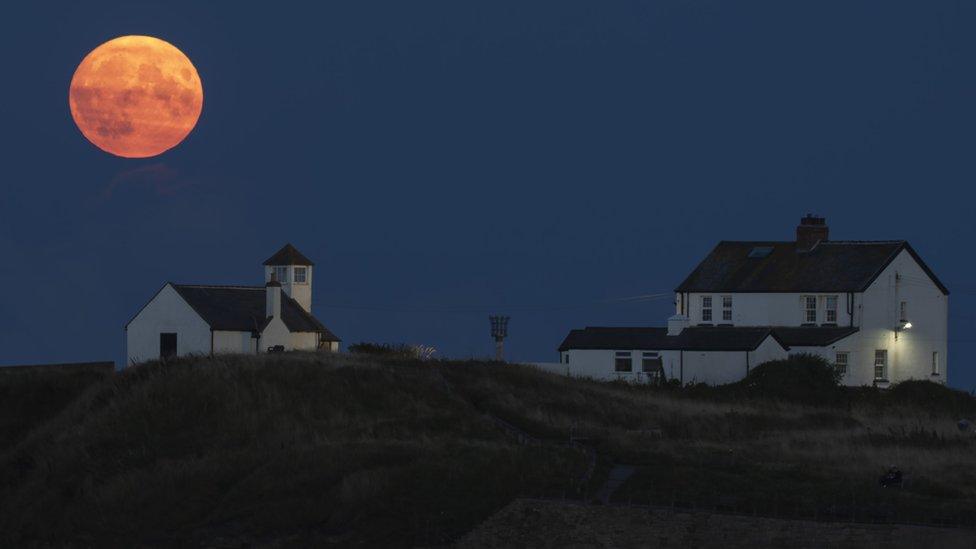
(473, 309)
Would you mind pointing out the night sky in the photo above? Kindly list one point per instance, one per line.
(443, 160)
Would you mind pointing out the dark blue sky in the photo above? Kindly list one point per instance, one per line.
(442, 159)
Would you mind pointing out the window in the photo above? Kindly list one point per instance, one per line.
(881, 364)
(726, 308)
(935, 363)
(830, 309)
(281, 274)
(809, 309)
(623, 362)
(301, 275)
(840, 362)
(651, 362)
(566, 358)
(706, 310)
(903, 311)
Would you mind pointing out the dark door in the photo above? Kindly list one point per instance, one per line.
(167, 345)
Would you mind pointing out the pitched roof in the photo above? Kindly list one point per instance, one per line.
(699, 338)
(831, 266)
(812, 336)
(242, 309)
(288, 255)
(703, 338)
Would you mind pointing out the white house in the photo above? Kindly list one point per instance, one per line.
(186, 319)
(873, 308)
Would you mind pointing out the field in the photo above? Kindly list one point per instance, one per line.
(293, 449)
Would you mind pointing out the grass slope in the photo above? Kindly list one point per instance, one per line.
(312, 448)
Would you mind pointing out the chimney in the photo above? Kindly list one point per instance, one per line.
(272, 303)
(677, 324)
(811, 230)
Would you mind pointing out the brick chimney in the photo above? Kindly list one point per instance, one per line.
(812, 229)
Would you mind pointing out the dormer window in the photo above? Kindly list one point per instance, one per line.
(301, 275)
(281, 274)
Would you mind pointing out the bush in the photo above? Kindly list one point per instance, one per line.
(935, 397)
(800, 378)
(393, 350)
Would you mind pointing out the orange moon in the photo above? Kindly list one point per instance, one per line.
(136, 96)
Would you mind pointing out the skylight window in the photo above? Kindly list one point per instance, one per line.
(761, 251)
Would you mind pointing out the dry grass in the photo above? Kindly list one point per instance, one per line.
(319, 449)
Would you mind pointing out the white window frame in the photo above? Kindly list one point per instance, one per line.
(881, 361)
(807, 300)
(727, 309)
(842, 365)
(830, 309)
(277, 272)
(621, 355)
(706, 306)
(304, 272)
(936, 366)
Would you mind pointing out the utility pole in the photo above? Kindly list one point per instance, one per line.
(499, 331)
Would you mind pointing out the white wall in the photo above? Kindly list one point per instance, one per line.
(167, 312)
(910, 354)
(234, 342)
(712, 367)
(274, 334)
(765, 309)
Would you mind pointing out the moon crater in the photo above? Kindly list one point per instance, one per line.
(136, 96)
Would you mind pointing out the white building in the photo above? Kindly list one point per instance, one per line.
(873, 308)
(186, 319)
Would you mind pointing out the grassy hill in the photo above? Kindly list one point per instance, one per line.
(310, 448)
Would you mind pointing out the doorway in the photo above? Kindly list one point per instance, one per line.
(167, 346)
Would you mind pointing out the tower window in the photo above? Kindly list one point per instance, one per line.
(301, 275)
(281, 274)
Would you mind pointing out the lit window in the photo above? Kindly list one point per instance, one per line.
(935, 363)
(830, 309)
(903, 310)
(881, 364)
(281, 274)
(840, 362)
(726, 308)
(810, 309)
(706, 309)
(623, 362)
(301, 274)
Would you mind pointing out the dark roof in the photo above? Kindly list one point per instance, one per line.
(812, 336)
(831, 266)
(288, 255)
(242, 309)
(698, 338)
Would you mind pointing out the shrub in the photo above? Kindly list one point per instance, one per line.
(934, 397)
(800, 378)
(393, 350)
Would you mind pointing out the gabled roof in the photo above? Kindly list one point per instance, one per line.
(831, 266)
(242, 309)
(699, 338)
(288, 255)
